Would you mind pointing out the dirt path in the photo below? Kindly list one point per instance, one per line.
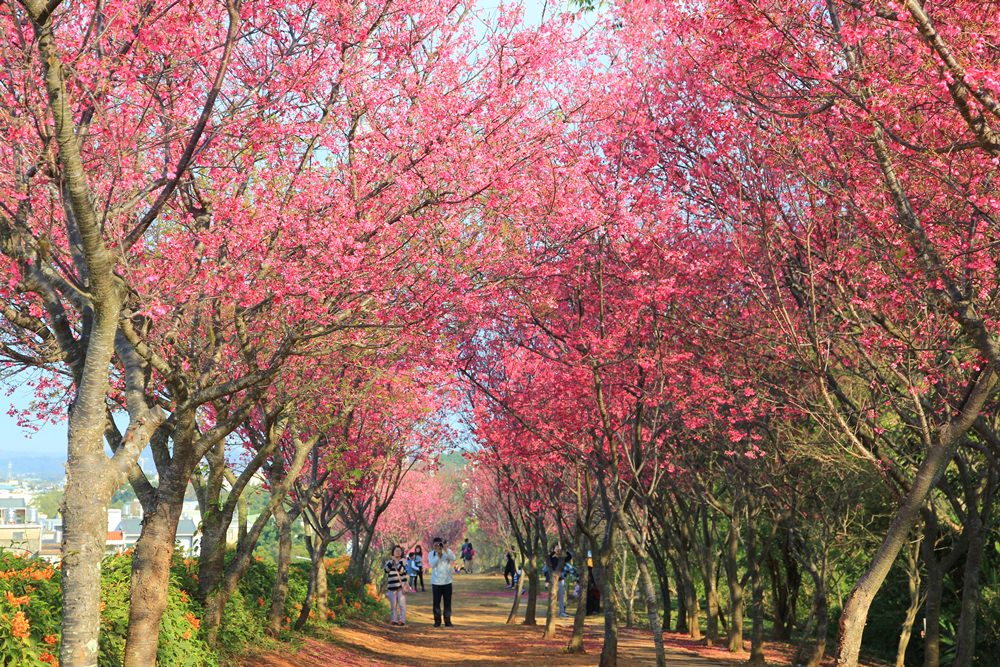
(479, 638)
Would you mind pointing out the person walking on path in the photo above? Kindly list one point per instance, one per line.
(559, 562)
(441, 561)
(395, 578)
(418, 561)
(509, 569)
(467, 553)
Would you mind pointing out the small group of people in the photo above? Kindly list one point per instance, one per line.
(401, 576)
(562, 563)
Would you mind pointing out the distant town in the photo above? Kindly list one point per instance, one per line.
(30, 522)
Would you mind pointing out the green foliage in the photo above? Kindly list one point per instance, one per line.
(48, 503)
(180, 637)
(30, 610)
(29, 618)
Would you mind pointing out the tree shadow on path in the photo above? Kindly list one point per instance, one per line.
(480, 637)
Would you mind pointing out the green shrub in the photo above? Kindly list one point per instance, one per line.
(180, 642)
(29, 611)
(31, 607)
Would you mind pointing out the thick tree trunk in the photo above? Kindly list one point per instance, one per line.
(659, 563)
(605, 580)
(686, 582)
(855, 613)
(708, 559)
(575, 644)
(531, 608)
(279, 592)
(322, 586)
(317, 580)
(553, 602)
(84, 513)
(151, 571)
(812, 649)
(734, 635)
(90, 480)
(965, 636)
(932, 605)
(682, 609)
(756, 598)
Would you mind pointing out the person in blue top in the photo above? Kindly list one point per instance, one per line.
(418, 562)
(411, 569)
(441, 561)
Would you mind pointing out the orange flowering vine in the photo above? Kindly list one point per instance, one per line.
(20, 627)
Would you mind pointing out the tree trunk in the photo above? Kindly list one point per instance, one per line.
(812, 649)
(935, 585)
(317, 553)
(965, 635)
(553, 602)
(151, 570)
(682, 609)
(916, 600)
(531, 609)
(279, 592)
(322, 586)
(85, 532)
(512, 616)
(89, 482)
(686, 582)
(757, 658)
(659, 562)
(855, 613)
(605, 580)
(734, 635)
(575, 644)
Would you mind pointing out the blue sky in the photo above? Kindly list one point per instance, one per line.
(49, 440)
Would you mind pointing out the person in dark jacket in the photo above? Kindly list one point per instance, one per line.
(509, 569)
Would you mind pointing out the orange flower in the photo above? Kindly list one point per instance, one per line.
(186, 635)
(102, 605)
(20, 627)
(184, 597)
(357, 605)
(193, 620)
(16, 601)
(260, 601)
(49, 658)
(50, 639)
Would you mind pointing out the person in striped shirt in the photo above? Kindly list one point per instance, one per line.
(396, 585)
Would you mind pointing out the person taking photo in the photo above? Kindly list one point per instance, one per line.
(441, 561)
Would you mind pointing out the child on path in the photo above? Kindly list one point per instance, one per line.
(396, 585)
(411, 569)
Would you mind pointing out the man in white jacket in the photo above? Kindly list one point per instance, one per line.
(441, 561)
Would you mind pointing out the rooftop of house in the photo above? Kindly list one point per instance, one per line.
(130, 526)
(12, 503)
(186, 528)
